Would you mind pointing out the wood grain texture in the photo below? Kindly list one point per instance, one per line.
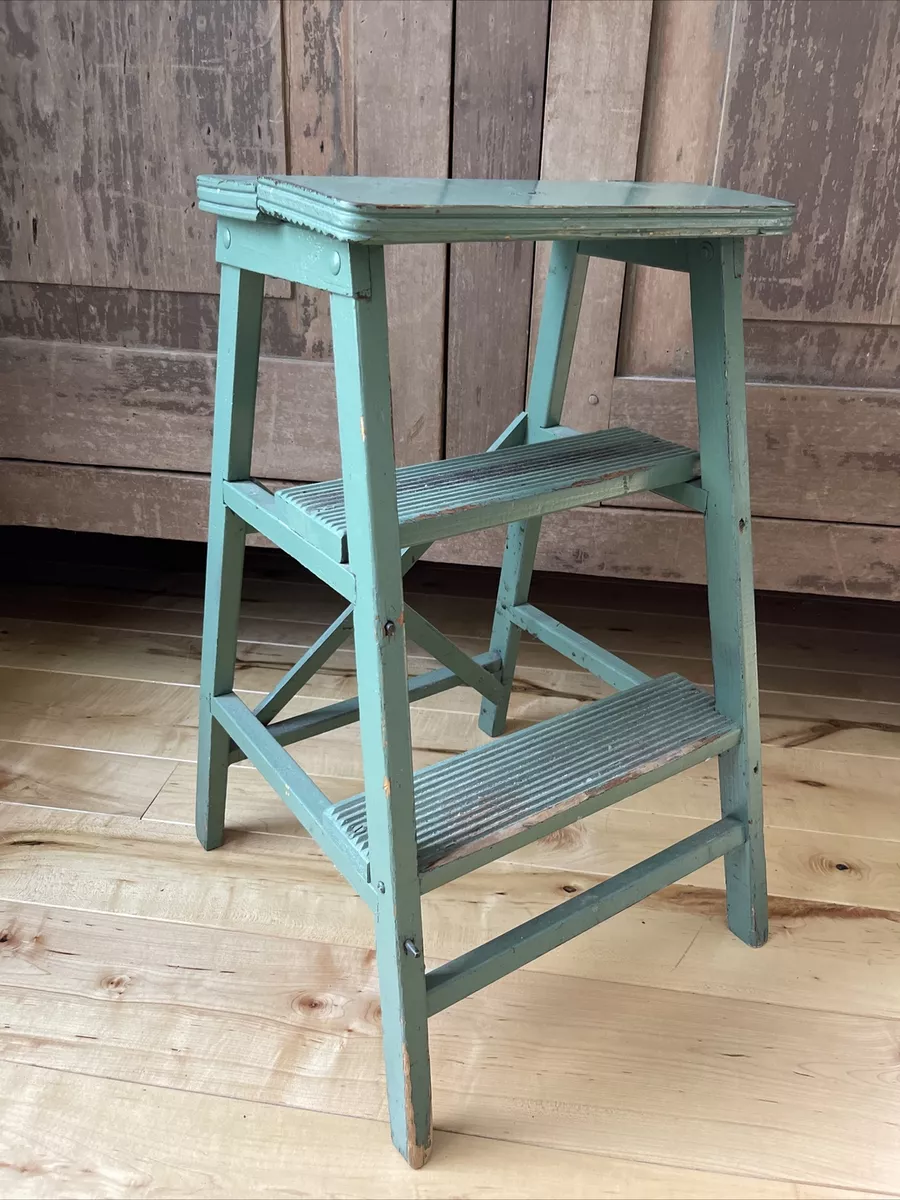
(823, 136)
(321, 116)
(265, 883)
(680, 137)
(499, 66)
(402, 54)
(791, 556)
(98, 1139)
(126, 407)
(135, 317)
(845, 470)
(592, 119)
(823, 1094)
(816, 136)
(115, 109)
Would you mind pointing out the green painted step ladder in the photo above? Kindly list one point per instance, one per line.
(410, 832)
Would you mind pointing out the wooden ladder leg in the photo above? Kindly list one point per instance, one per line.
(240, 316)
(546, 393)
(716, 270)
(367, 456)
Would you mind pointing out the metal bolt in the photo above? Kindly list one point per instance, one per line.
(389, 628)
(593, 398)
(411, 948)
(380, 887)
(335, 263)
(706, 251)
(226, 238)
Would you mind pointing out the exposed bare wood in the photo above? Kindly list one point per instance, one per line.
(820, 454)
(115, 109)
(97, 1130)
(835, 1125)
(499, 66)
(595, 86)
(128, 407)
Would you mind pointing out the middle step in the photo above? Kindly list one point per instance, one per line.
(457, 495)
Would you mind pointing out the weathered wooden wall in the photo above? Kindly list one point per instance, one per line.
(107, 299)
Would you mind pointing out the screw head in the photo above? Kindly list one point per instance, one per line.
(380, 886)
(335, 263)
(389, 628)
(226, 238)
(593, 398)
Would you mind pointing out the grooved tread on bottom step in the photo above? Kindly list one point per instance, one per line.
(456, 495)
(554, 772)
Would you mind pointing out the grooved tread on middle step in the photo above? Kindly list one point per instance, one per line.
(457, 495)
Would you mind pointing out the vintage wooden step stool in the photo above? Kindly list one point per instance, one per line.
(412, 831)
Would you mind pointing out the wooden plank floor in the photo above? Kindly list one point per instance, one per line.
(175, 1023)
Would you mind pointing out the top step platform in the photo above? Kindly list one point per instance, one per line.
(382, 211)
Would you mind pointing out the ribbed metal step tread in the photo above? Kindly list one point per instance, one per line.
(527, 779)
(480, 490)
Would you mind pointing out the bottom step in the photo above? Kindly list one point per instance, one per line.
(520, 787)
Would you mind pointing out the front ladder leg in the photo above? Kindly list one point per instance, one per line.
(367, 458)
(546, 393)
(716, 269)
(240, 316)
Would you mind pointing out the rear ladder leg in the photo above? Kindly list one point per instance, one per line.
(549, 376)
(240, 317)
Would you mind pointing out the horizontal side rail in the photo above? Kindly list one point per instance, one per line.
(256, 507)
(290, 252)
(439, 646)
(691, 494)
(580, 650)
(307, 802)
(315, 657)
(549, 433)
(668, 253)
(487, 963)
(345, 712)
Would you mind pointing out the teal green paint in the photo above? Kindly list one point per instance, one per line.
(583, 652)
(240, 320)
(362, 376)
(550, 374)
(646, 252)
(474, 808)
(307, 802)
(346, 712)
(381, 211)
(261, 511)
(316, 656)
(407, 834)
(462, 976)
(431, 640)
(716, 268)
(501, 486)
(299, 255)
